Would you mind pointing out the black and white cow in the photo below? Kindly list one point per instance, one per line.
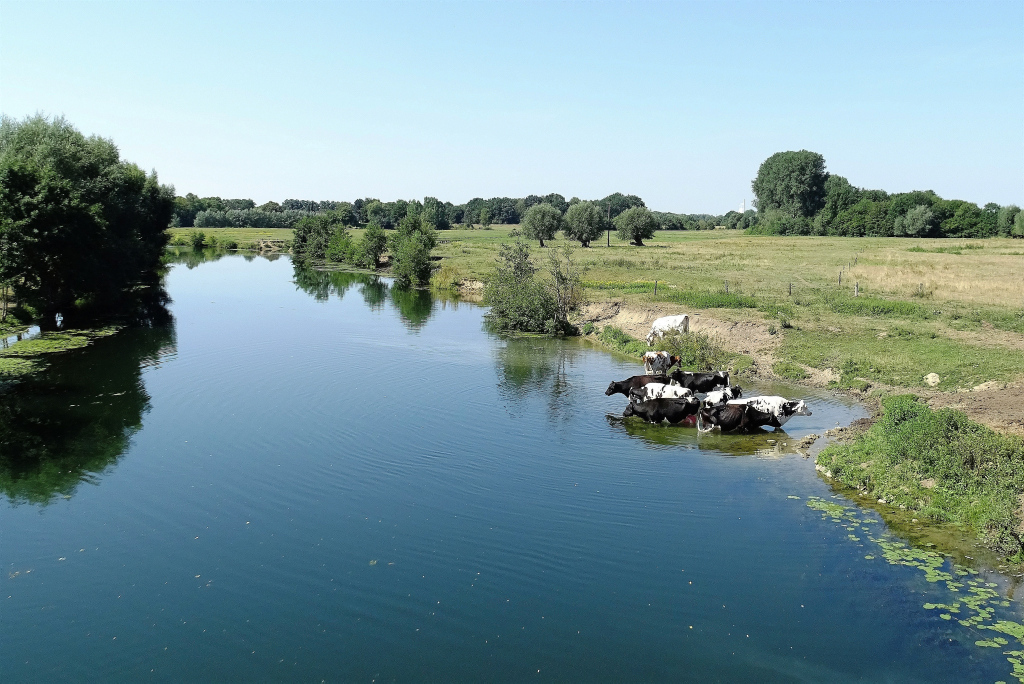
(700, 382)
(656, 410)
(635, 382)
(778, 409)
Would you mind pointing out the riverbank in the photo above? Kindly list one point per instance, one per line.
(28, 356)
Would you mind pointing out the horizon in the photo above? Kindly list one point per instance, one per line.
(676, 103)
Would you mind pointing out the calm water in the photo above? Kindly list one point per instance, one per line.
(312, 476)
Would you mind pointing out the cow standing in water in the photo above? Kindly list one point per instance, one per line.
(778, 409)
(660, 362)
(659, 390)
(657, 410)
(630, 384)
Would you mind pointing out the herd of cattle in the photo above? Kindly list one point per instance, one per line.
(660, 395)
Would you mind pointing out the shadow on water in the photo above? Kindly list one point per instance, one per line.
(72, 421)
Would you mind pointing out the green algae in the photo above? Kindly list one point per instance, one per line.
(28, 356)
(974, 601)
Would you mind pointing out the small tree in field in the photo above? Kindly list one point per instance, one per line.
(584, 222)
(541, 222)
(636, 225)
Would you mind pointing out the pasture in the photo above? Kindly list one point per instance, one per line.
(950, 307)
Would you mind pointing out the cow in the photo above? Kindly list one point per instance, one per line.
(635, 382)
(658, 390)
(700, 382)
(667, 323)
(656, 410)
(659, 362)
(778, 409)
(730, 417)
(719, 397)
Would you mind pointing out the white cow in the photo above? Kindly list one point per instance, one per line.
(667, 323)
(719, 397)
(779, 408)
(659, 362)
(658, 390)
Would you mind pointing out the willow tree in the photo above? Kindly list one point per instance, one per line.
(541, 222)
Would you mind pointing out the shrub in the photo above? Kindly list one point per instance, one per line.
(518, 301)
(196, 238)
(340, 248)
(313, 234)
(410, 250)
(448, 277)
(699, 351)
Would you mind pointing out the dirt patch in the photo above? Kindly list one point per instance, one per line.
(752, 338)
(998, 405)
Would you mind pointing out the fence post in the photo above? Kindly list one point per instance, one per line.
(856, 289)
(791, 289)
(726, 287)
(655, 287)
(840, 279)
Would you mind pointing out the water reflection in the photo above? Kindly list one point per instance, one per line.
(540, 366)
(760, 443)
(73, 421)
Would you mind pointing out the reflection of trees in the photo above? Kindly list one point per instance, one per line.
(538, 365)
(73, 420)
(414, 306)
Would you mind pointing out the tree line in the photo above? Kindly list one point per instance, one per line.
(797, 196)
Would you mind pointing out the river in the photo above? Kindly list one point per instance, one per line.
(308, 476)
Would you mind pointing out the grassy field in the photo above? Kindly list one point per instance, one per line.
(950, 307)
(245, 238)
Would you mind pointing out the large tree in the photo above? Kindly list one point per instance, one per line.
(792, 182)
(541, 222)
(636, 225)
(81, 227)
(584, 222)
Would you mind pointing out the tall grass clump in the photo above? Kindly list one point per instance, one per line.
(939, 464)
(873, 306)
(699, 351)
(622, 342)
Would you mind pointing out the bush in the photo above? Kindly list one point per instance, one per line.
(622, 342)
(197, 239)
(518, 301)
(448, 277)
(313, 234)
(698, 351)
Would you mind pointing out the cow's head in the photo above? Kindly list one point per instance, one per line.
(629, 411)
(675, 361)
(736, 391)
(797, 408)
(612, 389)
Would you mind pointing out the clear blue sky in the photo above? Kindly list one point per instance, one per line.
(676, 102)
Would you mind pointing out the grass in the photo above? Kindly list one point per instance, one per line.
(921, 308)
(940, 465)
(698, 351)
(244, 238)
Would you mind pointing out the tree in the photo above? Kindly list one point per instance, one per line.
(793, 182)
(1018, 225)
(435, 214)
(270, 206)
(1005, 218)
(313, 235)
(566, 287)
(373, 246)
(636, 225)
(618, 203)
(518, 301)
(485, 217)
(81, 226)
(584, 222)
(917, 222)
(410, 251)
(541, 222)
